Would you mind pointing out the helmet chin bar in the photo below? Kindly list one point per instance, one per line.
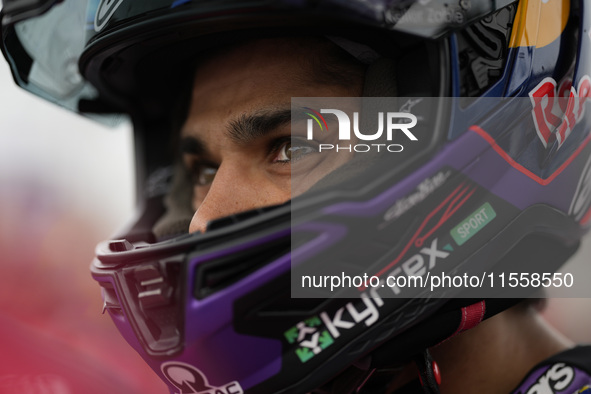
(148, 289)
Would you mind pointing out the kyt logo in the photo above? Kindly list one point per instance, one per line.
(309, 337)
(188, 379)
(419, 264)
(388, 123)
(315, 334)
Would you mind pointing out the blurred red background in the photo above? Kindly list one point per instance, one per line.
(65, 184)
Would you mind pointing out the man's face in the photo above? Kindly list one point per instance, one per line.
(237, 140)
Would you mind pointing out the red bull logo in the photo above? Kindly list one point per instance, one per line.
(555, 115)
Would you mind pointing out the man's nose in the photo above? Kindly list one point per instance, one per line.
(234, 189)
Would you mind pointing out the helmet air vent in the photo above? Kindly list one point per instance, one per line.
(220, 273)
(153, 294)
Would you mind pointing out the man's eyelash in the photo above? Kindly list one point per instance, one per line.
(278, 143)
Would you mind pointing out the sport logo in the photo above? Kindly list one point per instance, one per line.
(394, 121)
(104, 12)
(555, 115)
(315, 334)
(188, 379)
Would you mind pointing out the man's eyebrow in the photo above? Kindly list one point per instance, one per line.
(248, 127)
(191, 145)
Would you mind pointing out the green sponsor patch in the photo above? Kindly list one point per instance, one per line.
(324, 340)
(310, 340)
(473, 223)
(292, 334)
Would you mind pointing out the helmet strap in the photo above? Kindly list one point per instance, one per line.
(428, 372)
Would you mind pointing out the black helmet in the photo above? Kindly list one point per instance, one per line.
(500, 170)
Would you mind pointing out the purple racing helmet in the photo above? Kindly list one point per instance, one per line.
(498, 181)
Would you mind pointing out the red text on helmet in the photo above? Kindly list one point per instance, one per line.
(555, 115)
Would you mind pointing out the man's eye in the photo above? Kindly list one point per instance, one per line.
(203, 175)
(288, 153)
